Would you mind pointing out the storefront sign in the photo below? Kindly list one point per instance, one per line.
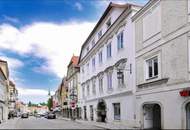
(185, 93)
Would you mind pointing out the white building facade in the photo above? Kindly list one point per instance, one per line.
(107, 68)
(4, 83)
(162, 42)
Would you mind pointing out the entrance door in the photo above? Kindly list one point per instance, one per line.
(85, 117)
(152, 116)
(101, 111)
(188, 115)
(91, 113)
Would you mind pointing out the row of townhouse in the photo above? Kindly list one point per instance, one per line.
(134, 67)
(66, 97)
(8, 92)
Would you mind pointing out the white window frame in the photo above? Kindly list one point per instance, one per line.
(101, 90)
(93, 42)
(99, 34)
(120, 40)
(83, 92)
(94, 63)
(100, 57)
(121, 82)
(108, 23)
(87, 49)
(88, 67)
(94, 86)
(147, 69)
(117, 116)
(88, 89)
(109, 81)
(109, 50)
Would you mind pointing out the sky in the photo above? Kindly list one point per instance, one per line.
(39, 37)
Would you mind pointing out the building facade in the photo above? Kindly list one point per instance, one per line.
(73, 83)
(4, 83)
(13, 98)
(107, 67)
(163, 64)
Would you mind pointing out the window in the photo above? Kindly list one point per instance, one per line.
(120, 40)
(93, 42)
(116, 107)
(94, 87)
(91, 113)
(83, 92)
(82, 69)
(88, 90)
(152, 67)
(87, 67)
(99, 34)
(120, 76)
(100, 57)
(87, 49)
(101, 85)
(108, 23)
(109, 81)
(109, 50)
(93, 62)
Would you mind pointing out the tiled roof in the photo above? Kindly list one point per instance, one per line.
(74, 61)
(11, 83)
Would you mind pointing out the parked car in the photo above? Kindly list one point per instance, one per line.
(37, 115)
(24, 115)
(51, 115)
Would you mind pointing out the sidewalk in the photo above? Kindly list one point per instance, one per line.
(108, 125)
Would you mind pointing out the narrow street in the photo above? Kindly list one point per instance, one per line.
(43, 123)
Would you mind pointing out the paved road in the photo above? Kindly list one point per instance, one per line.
(42, 123)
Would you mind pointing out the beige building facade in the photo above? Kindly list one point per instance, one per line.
(163, 64)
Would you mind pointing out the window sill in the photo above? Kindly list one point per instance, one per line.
(153, 83)
(120, 50)
(155, 77)
(110, 90)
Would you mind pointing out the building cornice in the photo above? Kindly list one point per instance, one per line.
(144, 8)
(119, 22)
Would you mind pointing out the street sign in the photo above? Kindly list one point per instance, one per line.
(73, 105)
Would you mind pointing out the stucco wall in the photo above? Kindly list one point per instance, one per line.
(174, 15)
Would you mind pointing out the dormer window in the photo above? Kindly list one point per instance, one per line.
(93, 42)
(108, 23)
(87, 48)
(99, 34)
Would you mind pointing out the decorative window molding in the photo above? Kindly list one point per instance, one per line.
(152, 67)
(109, 50)
(120, 40)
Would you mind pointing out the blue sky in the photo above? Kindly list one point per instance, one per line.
(34, 39)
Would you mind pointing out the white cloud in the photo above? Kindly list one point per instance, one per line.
(78, 6)
(56, 43)
(33, 95)
(13, 65)
(12, 62)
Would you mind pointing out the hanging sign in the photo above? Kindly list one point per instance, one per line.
(184, 93)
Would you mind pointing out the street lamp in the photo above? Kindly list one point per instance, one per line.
(120, 69)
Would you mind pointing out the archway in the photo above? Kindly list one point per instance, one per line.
(152, 116)
(101, 111)
(187, 107)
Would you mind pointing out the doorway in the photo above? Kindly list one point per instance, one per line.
(188, 115)
(85, 116)
(101, 111)
(152, 116)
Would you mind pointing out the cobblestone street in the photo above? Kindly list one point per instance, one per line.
(42, 123)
